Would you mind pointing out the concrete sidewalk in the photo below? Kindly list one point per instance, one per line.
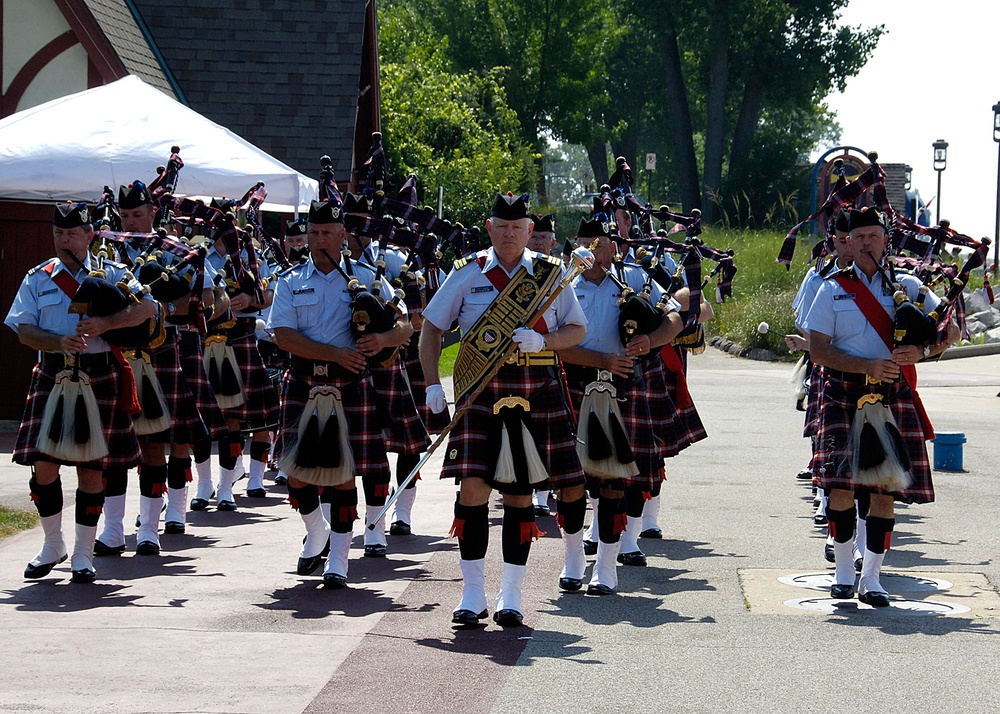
(220, 622)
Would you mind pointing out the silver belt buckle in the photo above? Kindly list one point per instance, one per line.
(321, 370)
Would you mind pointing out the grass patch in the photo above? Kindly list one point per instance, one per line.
(446, 366)
(762, 290)
(14, 521)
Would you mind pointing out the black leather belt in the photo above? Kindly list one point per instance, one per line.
(60, 360)
(852, 377)
(314, 368)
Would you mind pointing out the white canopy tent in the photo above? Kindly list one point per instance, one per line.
(71, 147)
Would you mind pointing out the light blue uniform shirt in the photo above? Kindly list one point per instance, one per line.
(318, 305)
(218, 262)
(42, 303)
(467, 293)
(834, 313)
(599, 302)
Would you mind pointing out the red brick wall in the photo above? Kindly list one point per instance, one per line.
(25, 241)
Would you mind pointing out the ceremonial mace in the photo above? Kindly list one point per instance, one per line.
(583, 260)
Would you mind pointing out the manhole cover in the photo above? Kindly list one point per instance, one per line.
(892, 582)
(829, 606)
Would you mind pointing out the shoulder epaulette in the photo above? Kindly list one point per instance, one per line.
(40, 266)
(847, 272)
(462, 262)
(550, 259)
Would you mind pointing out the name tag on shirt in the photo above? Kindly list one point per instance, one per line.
(482, 289)
(845, 296)
(303, 291)
(48, 292)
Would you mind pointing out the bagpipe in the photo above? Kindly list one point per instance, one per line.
(165, 184)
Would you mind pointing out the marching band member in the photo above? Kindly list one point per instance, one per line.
(867, 394)
(178, 411)
(328, 430)
(518, 434)
(607, 360)
(73, 351)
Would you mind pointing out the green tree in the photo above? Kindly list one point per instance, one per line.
(454, 129)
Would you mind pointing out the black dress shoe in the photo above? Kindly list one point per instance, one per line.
(589, 547)
(101, 550)
(819, 519)
(542, 510)
(86, 575)
(874, 598)
(198, 504)
(334, 581)
(570, 584)
(33, 572)
(147, 547)
(375, 550)
(256, 493)
(858, 562)
(804, 474)
(173, 528)
(653, 533)
(280, 480)
(307, 566)
(842, 592)
(467, 618)
(226, 506)
(399, 528)
(634, 558)
(508, 618)
(831, 557)
(600, 589)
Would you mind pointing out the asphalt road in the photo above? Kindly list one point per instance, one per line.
(220, 622)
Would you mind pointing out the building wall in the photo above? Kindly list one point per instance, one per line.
(32, 32)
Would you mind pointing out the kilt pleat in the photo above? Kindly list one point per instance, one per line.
(364, 432)
(549, 422)
(260, 402)
(832, 464)
(405, 432)
(193, 366)
(186, 424)
(434, 423)
(814, 397)
(123, 447)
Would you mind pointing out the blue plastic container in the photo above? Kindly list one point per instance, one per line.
(948, 450)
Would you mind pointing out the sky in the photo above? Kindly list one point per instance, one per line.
(935, 74)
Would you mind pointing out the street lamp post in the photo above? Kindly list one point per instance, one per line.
(996, 237)
(940, 163)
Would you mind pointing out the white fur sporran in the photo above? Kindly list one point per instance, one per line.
(62, 405)
(317, 446)
(220, 359)
(875, 449)
(597, 410)
(145, 376)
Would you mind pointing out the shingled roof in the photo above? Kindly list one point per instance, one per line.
(130, 42)
(284, 75)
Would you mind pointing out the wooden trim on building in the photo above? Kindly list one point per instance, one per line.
(99, 49)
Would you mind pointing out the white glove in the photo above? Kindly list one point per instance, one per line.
(528, 340)
(434, 398)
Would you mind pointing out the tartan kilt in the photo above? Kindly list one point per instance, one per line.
(434, 423)
(123, 447)
(814, 397)
(831, 462)
(260, 402)
(668, 429)
(193, 365)
(549, 422)
(638, 426)
(186, 424)
(397, 413)
(364, 433)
